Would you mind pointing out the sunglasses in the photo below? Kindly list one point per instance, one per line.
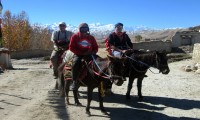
(119, 26)
(62, 25)
(84, 28)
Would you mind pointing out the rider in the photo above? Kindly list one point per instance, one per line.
(59, 38)
(82, 44)
(119, 41)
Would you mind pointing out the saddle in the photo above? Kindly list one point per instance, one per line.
(67, 71)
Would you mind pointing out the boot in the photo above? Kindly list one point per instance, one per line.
(75, 72)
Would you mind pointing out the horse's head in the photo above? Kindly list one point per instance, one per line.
(161, 61)
(107, 86)
(116, 69)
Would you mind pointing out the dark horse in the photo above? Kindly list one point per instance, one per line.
(138, 63)
(99, 73)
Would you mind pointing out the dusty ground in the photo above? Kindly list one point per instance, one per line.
(27, 93)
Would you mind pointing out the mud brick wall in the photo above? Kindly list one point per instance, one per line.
(153, 45)
(196, 53)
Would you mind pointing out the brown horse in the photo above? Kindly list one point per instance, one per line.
(100, 73)
(137, 65)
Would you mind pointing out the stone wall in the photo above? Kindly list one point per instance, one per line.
(196, 53)
(153, 45)
(30, 54)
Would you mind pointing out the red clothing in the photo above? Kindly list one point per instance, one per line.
(81, 44)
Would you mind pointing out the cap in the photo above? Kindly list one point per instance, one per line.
(62, 23)
(118, 24)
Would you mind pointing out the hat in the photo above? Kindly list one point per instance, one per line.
(118, 24)
(62, 23)
(83, 25)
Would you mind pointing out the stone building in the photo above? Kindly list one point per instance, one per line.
(185, 38)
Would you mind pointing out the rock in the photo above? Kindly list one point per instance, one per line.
(197, 65)
(188, 68)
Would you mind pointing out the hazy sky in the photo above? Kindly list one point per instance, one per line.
(150, 13)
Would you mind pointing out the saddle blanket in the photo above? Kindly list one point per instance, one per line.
(67, 71)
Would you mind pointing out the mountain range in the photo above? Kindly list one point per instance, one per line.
(100, 31)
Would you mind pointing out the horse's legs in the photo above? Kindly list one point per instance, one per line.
(61, 83)
(89, 95)
(79, 96)
(76, 97)
(56, 85)
(139, 87)
(101, 101)
(66, 89)
(130, 84)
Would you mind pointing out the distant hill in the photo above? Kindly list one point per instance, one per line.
(195, 28)
(165, 34)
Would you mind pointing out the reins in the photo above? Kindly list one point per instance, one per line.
(140, 62)
(106, 75)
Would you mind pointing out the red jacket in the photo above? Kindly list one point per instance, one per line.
(81, 44)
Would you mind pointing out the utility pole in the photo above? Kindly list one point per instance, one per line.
(1, 40)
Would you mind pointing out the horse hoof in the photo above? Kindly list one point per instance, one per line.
(104, 112)
(78, 104)
(88, 113)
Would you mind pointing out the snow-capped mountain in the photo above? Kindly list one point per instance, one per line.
(101, 31)
(98, 27)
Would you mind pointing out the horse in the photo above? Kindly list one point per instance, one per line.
(138, 63)
(101, 73)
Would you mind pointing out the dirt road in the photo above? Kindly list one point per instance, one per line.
(27, 93)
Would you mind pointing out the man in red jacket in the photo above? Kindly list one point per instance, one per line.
(81, 44)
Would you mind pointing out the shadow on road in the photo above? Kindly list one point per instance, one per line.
(147, 109)
(58, 104)
(15, 96)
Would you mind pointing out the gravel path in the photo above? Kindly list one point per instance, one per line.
(27, 94)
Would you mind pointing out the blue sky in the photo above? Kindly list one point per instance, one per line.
(149, 13)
